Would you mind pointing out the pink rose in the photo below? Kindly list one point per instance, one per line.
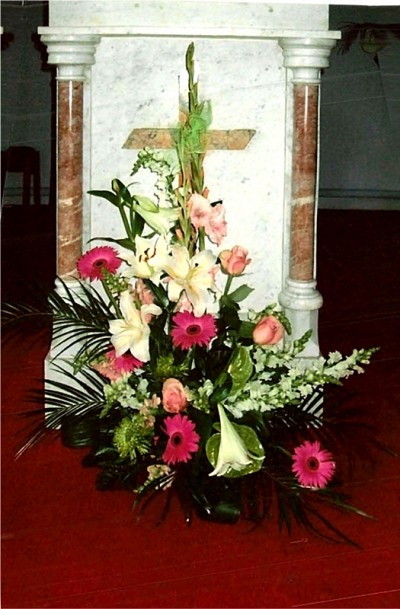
(216, 227)
(174, 396)
(268, 331)
(234, 261)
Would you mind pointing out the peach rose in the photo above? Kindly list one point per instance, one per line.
(234, 261)
(268, 331)
(174, 396)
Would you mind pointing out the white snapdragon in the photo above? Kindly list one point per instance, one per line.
(120, 392)
(200, 396)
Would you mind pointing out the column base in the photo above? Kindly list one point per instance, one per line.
(301, 301)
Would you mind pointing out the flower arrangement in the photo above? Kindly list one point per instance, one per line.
(184, 391)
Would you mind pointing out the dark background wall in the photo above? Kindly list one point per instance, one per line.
(27, 92)
(360, 109)
(360, 117)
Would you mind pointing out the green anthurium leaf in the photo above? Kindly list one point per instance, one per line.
(241, 293)
(252, 443)
(105, 194)
(240, 369)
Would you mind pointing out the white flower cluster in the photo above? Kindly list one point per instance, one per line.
(200, 396)
(166, 169)
(281, 378)
(121, 392)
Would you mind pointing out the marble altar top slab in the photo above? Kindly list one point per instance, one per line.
(190, 15)
(189, 32)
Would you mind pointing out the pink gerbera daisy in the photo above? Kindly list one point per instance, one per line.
(92, 264)
(312, 465)
(125, 363)
(115, 367)
(182, 441)
(190, 330)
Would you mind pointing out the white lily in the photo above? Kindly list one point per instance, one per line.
(194, 275)
(148, 261)
(232, 453)
(158, 218)
(132, 333)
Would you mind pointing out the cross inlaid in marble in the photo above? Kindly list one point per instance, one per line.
(161, 138)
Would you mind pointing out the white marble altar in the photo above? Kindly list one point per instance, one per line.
(251, 55)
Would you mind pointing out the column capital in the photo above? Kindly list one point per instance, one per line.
(306, 57)
(72, 53)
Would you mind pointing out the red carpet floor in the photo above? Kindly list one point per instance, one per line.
(64, 544)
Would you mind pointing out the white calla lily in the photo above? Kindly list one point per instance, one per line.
(192, 274)
(232, 453)
(132, 332)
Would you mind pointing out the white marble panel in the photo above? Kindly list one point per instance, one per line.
(134, 83)
(189, 13)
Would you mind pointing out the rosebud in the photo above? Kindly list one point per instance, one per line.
(268, 331)
(234, 261)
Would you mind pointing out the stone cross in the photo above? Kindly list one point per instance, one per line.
(161, 138)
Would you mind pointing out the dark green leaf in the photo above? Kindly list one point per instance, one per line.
(241, 293)
(105, 194)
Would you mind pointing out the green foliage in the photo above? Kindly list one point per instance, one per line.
(80, 322)
(240, 369)
(133, 436)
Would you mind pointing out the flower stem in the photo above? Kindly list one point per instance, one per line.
(228, 285)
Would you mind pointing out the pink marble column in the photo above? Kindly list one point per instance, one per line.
(69, 182)
(304, 58)
(73, 53)
(304, 174)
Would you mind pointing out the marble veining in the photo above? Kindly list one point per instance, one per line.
(69, 186)
(304, 182)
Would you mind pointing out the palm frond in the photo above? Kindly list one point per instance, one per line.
(15, 318)
(83, 319)
(79, 396)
